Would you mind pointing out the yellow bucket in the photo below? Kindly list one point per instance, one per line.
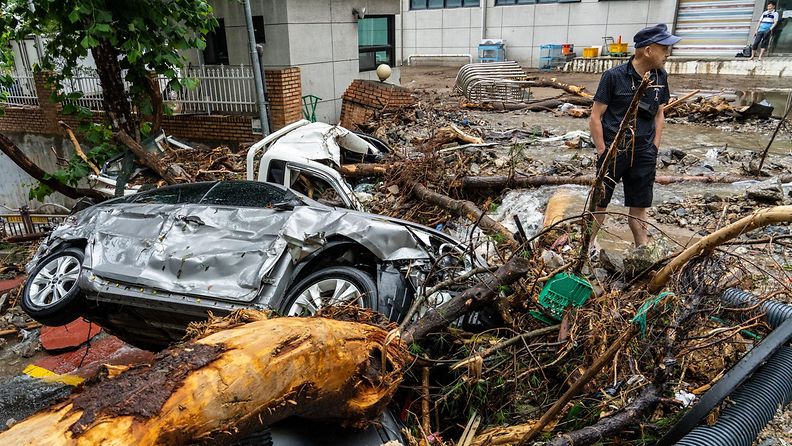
(617, 47)
(590, 52)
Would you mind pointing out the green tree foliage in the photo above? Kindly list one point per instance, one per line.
(127, 39)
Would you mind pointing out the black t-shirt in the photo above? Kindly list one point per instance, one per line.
(616, 89)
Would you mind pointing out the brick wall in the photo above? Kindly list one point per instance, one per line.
(363, 98)
(284, 90)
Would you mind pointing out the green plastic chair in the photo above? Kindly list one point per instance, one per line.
(309, 106)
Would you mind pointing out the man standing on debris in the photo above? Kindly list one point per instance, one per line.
(636, 157)
(764, 31)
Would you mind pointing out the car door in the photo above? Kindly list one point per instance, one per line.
(127, 232)
(320, 186)
(224, 245)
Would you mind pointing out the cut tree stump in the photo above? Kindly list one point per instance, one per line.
(229, 384)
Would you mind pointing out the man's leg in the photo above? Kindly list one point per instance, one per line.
(599, 219)
(761, 53)
(638, 227)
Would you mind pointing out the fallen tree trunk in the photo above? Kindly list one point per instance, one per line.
(467, 209)
(762, 217)
(500, 182)
(20, 159)
(229, 384)
(539, 105)
(644, 403)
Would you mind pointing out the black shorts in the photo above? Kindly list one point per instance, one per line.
(762, 40)
(638, 174)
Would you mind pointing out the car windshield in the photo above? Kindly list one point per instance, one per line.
(244, 194)
(178, 194)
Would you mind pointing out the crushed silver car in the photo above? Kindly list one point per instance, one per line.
(145, 265)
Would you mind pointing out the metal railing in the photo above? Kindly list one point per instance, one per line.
(220, 89)
(22, 91)
(23, 221)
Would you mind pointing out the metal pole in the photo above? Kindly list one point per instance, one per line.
(260, 50)
(262, 105)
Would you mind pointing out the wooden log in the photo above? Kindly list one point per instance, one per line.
(569, 88)
(500, 182)
(671, 105)
(228, 384)
(466, 209)
(364, 170)
(147, 159)
(758, 219)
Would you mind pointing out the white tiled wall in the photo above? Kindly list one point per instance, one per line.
(526, 27)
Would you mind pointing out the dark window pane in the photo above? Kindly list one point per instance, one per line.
(417, 4)
(216, 51)
(435, 4)
(453, 3)
(258, 28)
(471, 3)
(244, 194)
(504, 2)
(530, 2)
(180, 194)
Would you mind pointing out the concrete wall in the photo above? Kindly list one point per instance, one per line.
(17, 183)
(526, 27)
(319, 36)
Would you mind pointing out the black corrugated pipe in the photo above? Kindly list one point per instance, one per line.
(755, 402)
(753, 405)
(777, 312)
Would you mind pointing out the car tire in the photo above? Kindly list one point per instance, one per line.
(52, 294)
(351, 284)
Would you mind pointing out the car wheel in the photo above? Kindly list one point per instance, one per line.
(51, 294)
(336, 285)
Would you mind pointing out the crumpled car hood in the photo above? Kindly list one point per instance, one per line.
(221, 252)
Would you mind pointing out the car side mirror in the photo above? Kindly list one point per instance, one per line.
(288, 205)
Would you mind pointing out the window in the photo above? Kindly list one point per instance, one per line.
(258, 28)
(438, 4)
(179, 194)
(375, 42)
(216, 51)
(530, 2)
(244, 194)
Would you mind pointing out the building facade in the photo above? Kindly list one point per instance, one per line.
(332, 41)
(708, 27)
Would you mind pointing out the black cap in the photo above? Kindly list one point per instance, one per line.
(655, 34)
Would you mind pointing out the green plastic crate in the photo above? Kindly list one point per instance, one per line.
(563, 290)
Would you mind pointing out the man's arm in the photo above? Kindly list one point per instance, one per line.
(595, 126)
(775, 21)
(659, 122)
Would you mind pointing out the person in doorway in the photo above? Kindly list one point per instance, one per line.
(636, 157)
(764, 31)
